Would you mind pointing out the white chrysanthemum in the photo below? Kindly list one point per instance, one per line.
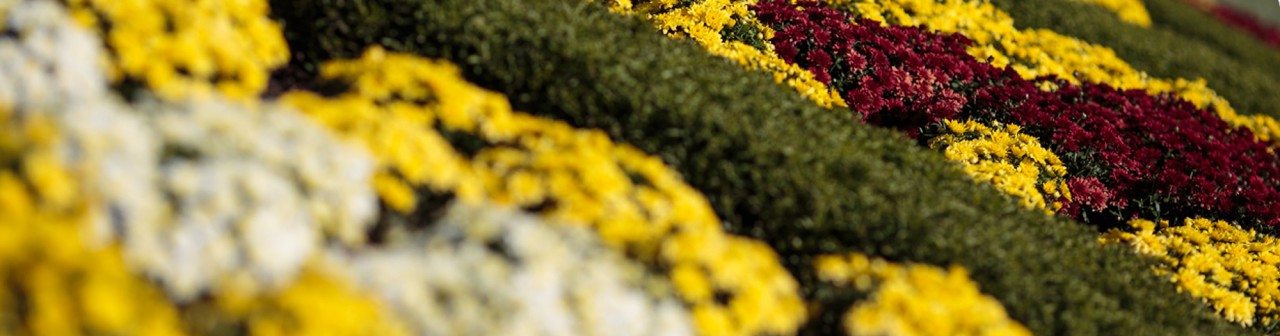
(490, 271)
(49, 61)
(250, 195)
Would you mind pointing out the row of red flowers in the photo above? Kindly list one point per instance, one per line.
(1129, 154)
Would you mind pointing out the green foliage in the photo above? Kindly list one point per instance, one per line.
(775, 166)
(1182, 42)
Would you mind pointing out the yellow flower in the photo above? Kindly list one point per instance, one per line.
(315, 303)
(187, 49)
(915, 299)
(691, 283)
(67, 287)
(705, 20)
(1014, 163)
(712, 320)
(1233, 270)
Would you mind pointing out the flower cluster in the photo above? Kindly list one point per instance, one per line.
(894, 76)
(1233, 270)
(52, 283)
(435, 135)
(243, 213)
(198, 193)
(317, 302)
(1129, 152)
(219, 192)
(1156, 155)
(708, 22)
(1129, 11)
(1013, 162)
(915, 299)
(484, 270)
(182, 48)
(94, 194)
(1037, 52)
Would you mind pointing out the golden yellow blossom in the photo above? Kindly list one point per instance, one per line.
(187, 48)
(705, 22)
(67, 286)
(915, 299)
(316, 303)
(1013, 162)
(1231, 269)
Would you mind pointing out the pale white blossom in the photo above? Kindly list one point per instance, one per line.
(482, 270)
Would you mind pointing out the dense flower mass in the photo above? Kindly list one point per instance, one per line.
(1129, 153)
(894, 76)
(1037, 52)
(181, 49)
(467, 142)
(1233, 270)
(1013, 162)
(72, 150)
(1161, 154)
(227, 193)
(726, 28)
(915, 299)
(483, 270)
(148, 187)
(319, 301)
(207, 158)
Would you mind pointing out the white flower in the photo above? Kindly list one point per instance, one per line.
(493, 271)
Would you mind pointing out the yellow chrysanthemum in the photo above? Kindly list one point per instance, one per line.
(1013, 162)
(187, 48)
(915, 299)
(705, 22)
(315, 303)
(67, 286)
(1231, 269)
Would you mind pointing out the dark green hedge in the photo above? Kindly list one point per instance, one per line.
(1182, 43)
(774, 165)
(1175, 16)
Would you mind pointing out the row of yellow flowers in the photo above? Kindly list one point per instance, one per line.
(572, 176)
(404, 111)
(147, 190)
(1040, 52)
(1233, 270)
(914, 299)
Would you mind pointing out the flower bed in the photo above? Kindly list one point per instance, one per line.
(696, 167)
